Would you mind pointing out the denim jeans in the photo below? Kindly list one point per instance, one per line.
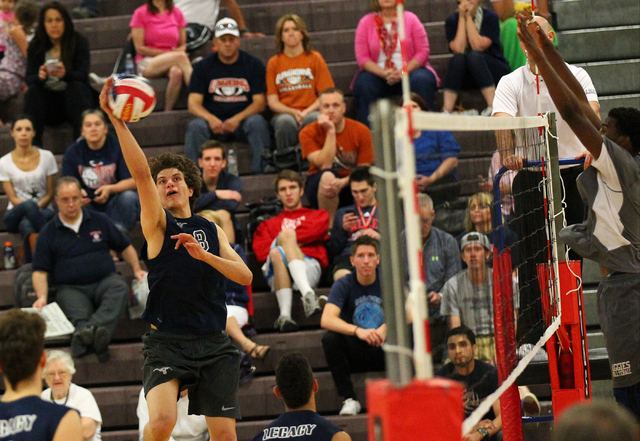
(286, 128)
(254, 130)
(27, 218)
(368, 88)
(122, 208)
(474, 70)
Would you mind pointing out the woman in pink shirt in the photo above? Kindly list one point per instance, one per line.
(158, 31)
(380, 60)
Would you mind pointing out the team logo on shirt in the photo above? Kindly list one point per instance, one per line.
(17, 424)
(97, 174)
(288, 431)
(292, 224)
(621, 369)
(201, 237)
(96, 236)
(294, 79)
(229, 90)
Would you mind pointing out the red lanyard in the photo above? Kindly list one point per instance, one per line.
(365, 224)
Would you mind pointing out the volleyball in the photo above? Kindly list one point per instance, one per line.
(132, 98)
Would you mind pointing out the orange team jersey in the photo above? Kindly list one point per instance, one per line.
(298, 81)
(353, 146)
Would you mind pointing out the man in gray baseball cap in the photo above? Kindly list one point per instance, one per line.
(467, 297)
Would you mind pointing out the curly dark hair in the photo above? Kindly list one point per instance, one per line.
(294, 379)
(21, 345)
(628, 124)
(191, 172)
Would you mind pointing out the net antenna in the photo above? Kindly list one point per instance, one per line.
(409, 193)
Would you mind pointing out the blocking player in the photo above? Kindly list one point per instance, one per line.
(610, 235)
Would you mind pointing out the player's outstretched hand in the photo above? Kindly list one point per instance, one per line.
(104, 99)
(531, 35)
(191, 244)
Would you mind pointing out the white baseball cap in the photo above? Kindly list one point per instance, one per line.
(226, 26)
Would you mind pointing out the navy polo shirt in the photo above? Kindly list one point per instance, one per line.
(80, 258)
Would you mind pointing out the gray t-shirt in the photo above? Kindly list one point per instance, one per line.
(611, 233)
(472, 303)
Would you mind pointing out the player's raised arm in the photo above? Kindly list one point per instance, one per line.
(574, 111)
(152, 216)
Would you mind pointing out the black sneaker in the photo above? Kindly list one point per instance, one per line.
(86, 335)
(101, 344)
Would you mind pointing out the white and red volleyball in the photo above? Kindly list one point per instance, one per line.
(132, 98)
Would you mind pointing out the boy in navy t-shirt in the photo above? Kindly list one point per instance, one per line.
(354, 318)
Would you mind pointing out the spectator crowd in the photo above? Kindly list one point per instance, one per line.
(75, 219)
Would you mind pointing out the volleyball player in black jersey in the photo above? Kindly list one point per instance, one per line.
(188, 258)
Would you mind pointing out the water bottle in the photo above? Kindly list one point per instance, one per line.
(9, 256)
(129, 67)
(232, 163)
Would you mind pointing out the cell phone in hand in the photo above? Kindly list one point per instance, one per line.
(51, 65)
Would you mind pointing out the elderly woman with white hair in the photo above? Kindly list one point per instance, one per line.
(58, 373)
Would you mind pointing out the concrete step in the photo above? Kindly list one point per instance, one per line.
(595, 339)
(580, 14)
(591, 274)
(601, 44)
(158, 129)
(120, 435)
(590, 307)
(257, 400)
(609, 102)
(614, 77)
(107, 7)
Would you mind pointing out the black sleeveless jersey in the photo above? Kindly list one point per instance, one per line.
(186, 295)
(30, 419)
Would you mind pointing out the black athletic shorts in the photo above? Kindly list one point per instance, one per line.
(341, 263)
(207, 365)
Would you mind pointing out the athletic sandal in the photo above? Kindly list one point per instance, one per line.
(259, 351)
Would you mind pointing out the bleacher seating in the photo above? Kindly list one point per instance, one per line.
(613, 67)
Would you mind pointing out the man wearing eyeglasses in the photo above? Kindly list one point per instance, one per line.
(440, 262)
(227, 95)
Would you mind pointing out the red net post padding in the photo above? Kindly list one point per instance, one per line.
(568, 352)
(505, 337)
(424, 410)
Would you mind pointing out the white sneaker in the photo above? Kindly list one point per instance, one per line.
(350, 407)
(524, 349)
(310, 303)
(285, 324)
(531, 405)
(97, 79)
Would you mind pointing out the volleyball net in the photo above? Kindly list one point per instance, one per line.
(501, 296)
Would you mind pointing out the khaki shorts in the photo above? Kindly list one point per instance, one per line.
(486, 348)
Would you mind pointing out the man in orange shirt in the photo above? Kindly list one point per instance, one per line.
(334, 145)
